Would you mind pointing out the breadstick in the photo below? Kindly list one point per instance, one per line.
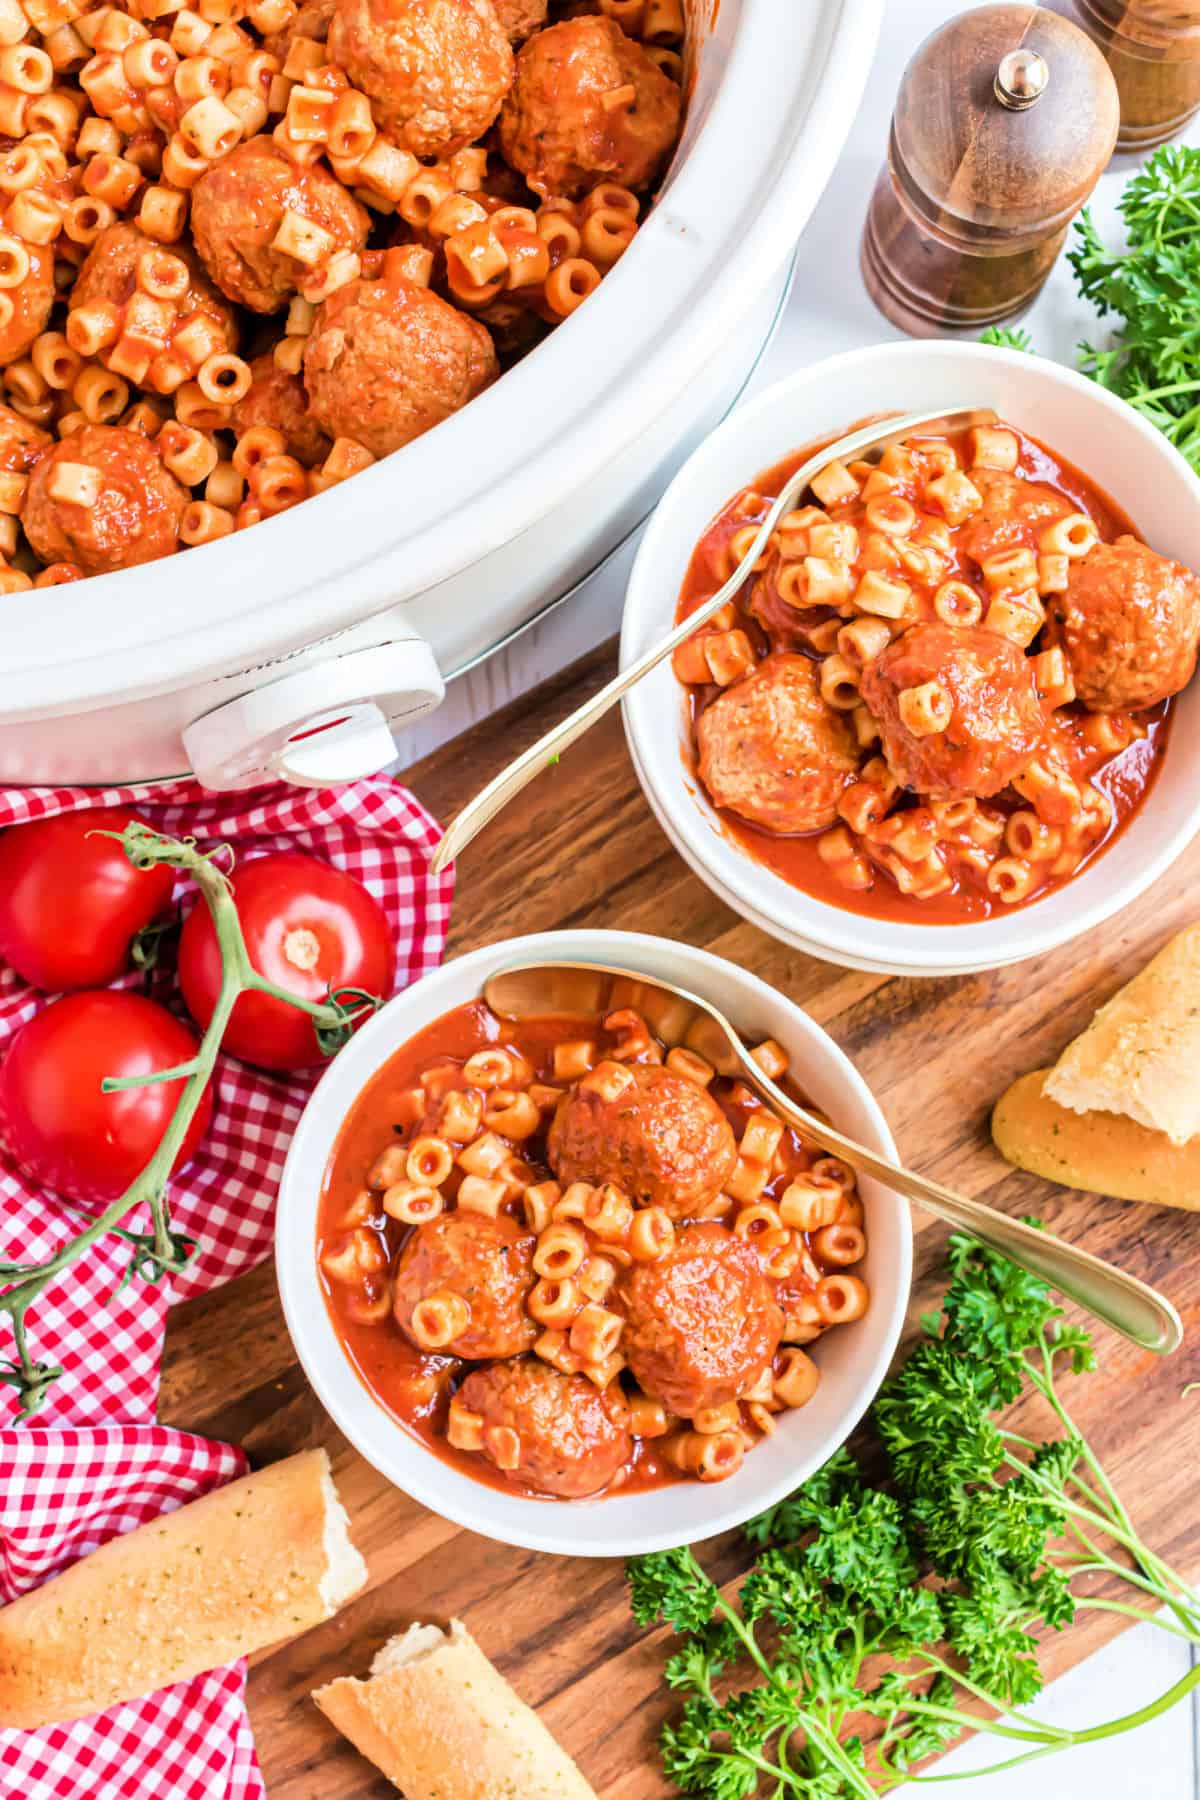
(260, 1560)
(1103, 1152)
(443, 1724)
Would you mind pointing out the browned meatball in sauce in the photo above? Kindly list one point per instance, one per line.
(573, 1437)
(1129, 623)
(519, 19)
(32, 301)
(387, 360)
(486, 1262)
(662, 1139)
(588, 105)
(110, 274)
(278, 398)
(788, 626)
(134, 519)
(701, 1323)
(996, 724)
(237, 208)
(774, 751)
(20, 442)
(436, 71)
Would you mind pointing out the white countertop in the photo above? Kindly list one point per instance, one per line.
(829, 311)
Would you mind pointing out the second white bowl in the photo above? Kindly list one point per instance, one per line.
(853, 1360)
(1107, 440)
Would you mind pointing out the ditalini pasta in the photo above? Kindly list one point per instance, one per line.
(240, 222)
(572, 1257)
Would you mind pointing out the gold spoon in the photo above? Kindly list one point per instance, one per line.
(520, 772)
(1139, 1313)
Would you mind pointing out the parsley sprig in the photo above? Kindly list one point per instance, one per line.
(1008, 337)
(881, 1621)
(1153, 286)
(1151, 289)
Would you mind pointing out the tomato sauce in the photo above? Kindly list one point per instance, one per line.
(413, 1386)
(1126, 776)
(416, 1387)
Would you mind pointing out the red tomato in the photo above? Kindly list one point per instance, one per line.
(308, 928)
(71, 903)
(55, 1118)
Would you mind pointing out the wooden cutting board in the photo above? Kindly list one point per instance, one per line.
(580, 847)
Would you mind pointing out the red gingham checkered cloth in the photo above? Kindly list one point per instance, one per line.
(92, 1463)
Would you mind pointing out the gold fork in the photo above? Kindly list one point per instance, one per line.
(868, 440)
(1141, 1314)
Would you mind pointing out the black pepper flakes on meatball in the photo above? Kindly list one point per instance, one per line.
(1129, 623)
(572, 1436)
(662, 1139)
(388, 359)
(435, 71)
(773, 750)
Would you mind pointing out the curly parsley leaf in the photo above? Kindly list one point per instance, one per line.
(1151, 289)
(790, 1518)
(907, 1603)
(671, 1585)
(1008, 337)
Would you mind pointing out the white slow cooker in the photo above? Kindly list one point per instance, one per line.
(291, 649)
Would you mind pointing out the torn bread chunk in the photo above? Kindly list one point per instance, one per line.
(443, 1724)
(1140, 1055)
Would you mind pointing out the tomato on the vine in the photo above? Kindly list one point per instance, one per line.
(310, 929)
(71, 902)
(55, 1118)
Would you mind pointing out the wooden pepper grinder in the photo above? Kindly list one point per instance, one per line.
(1004, 121)
(1153, 50)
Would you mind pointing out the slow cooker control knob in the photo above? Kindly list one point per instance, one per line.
(328, 723)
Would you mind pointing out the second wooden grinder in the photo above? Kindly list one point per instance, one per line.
(1004, 121)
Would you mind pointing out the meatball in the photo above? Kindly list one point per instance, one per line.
(20, 442)
(701, 1323)
(134, 517)
(1013, 513)
(787, 626)
(1129, 623)
(237, 208)
(519, 19)
(436, 71)
(774, 751)
(110, 275)
(573, 1437)
(660, 1138)
(488, 1263)
(278, 398)
(310, 23)
(556, 127)
(387, 360)
(32, 303)
(996, 720)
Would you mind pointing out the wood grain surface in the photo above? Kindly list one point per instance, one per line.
(581, 847)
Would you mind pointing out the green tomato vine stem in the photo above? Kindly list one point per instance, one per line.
(160, 1251)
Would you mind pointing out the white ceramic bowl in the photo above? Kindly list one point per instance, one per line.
(853, 1360)
(1107, 440)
